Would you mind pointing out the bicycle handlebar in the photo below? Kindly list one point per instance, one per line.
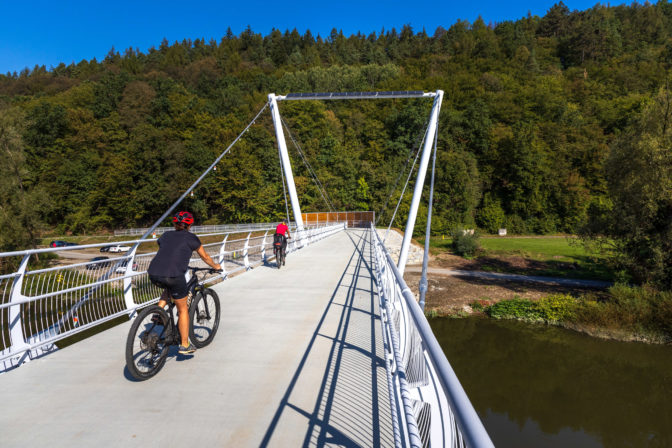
(210, 270)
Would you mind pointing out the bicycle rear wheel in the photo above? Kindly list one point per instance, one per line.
(278, 257)
(204, 315)
(147, 343)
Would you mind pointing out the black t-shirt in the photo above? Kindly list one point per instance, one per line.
(175, 248)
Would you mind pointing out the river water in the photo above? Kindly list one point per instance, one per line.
(540, 386)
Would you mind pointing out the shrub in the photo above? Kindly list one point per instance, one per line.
(464, 244)
(480, 304)
(552, 309)
(639, 310)
(556, 307)
(515, 308)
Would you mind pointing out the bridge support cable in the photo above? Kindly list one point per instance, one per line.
(428, 231)
(414, 149)
(284, 189)
(316, 180)
(419, 183)
(401, 196)
(286, 165)
(205, 173)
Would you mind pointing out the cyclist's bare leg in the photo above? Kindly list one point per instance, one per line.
(163, 301)
(183, 320)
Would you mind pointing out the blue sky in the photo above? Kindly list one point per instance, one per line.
(50, 32)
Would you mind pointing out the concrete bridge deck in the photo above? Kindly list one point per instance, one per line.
(297, 361)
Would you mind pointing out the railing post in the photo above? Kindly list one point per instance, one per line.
(128, 284)
(263, 248)
(18, 343)
(245, 250)
(222, 251)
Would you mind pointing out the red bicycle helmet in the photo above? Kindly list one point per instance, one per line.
(184, 217)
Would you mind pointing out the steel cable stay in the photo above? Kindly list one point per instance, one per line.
(401, 173)
(401, 196)
(205, 173)
(425, 258)
(91, 291)
(320, 187)
(284, 190)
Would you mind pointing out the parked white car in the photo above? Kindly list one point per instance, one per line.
(120, 248)
(121, 269)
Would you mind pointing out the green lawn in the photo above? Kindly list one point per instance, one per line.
(551, 256)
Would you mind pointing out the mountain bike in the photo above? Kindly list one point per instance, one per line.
(154, 329)
(279, 251)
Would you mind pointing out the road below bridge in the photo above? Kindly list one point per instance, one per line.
(297, 361)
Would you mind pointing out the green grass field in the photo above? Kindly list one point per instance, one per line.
(550, 256)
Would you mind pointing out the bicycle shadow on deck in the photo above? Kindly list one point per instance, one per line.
(346, 343)
(172, 356)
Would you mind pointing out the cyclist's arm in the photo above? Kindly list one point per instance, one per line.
(205, 257)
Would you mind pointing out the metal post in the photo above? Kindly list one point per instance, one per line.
(222, 251)
(128, 285)
(420, 181)
(263, 249)
(287, 167)
(18, 343)
(245, 250)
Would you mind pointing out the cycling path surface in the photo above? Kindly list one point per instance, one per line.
(297, 361)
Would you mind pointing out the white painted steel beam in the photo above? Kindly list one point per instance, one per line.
(355, 95)
(284, 156)
(420, 181)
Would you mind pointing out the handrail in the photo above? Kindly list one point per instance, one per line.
(42, 306)
(395, 292)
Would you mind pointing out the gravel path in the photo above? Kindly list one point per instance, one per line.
(515, 277)
(393, 245)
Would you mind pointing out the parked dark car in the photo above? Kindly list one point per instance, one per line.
(105, 249)
(59, 243)
(92, 266)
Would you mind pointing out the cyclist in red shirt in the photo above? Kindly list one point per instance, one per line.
(283, 231)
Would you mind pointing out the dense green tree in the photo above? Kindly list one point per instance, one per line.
(638, 218)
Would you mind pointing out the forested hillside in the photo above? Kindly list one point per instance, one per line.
(533, 109)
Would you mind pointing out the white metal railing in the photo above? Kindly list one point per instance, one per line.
(41, 305)
(245, 227)
(202, 229)
(429, 405)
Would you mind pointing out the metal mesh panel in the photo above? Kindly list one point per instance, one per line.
(417, 374)
(66, 311)
(423, 416)
(5, 288)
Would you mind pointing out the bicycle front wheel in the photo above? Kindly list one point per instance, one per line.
(147, 343)
(204, 315)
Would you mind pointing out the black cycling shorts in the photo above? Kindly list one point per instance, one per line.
(176, 286)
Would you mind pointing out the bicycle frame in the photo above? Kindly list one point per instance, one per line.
(193, 286)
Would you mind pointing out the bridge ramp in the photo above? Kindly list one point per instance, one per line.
(297, 361)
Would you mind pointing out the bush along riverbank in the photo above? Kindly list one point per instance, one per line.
(629, 313)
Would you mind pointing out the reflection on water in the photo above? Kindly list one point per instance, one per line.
(539, 386)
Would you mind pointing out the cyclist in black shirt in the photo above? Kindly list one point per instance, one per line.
(168, 268)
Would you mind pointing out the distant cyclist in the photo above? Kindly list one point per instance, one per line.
(282, 231)
(168, 268)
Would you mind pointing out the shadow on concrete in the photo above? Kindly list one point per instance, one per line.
(172, 355)
(346, 410)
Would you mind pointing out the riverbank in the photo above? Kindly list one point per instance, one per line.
(623, 313)
(458, 287)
